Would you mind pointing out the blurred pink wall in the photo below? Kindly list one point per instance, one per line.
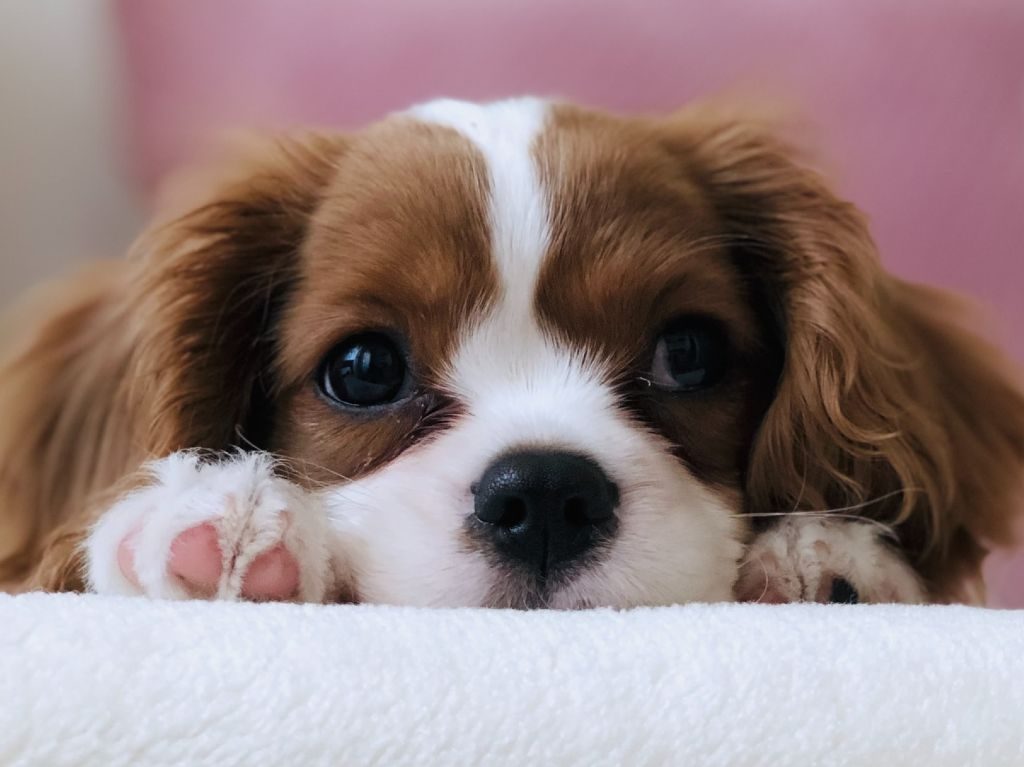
(919, 105)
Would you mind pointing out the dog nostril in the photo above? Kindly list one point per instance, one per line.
(514, 513)
(545, 508)
(576, 512)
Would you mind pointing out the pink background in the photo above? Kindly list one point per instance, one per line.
(918, 105)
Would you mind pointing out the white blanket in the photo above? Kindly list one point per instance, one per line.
(101, 681)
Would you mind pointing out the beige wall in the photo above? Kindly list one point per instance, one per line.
(63, 193)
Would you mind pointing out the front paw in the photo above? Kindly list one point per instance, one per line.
(816, 559)
(230, 529)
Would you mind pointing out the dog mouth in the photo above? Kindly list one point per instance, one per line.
(546, 583)
(517, 589)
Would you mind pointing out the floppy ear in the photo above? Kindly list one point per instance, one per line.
(209, 287)
(168, 350)
(62, 424)
(886, 406)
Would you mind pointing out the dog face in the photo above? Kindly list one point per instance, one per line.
(519, 332)
(537, 356)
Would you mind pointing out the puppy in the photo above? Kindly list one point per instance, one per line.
(513, 355)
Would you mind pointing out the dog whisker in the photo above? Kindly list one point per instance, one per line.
(840, 512)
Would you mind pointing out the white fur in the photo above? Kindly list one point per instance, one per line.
(250, 507)
(504, 133)
(676, 541)
(797, 560)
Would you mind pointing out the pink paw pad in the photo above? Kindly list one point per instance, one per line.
(272, 576)
(197, 560)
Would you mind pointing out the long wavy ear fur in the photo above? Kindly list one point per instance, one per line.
(887, 405)
(168, 350)
(65, 427)
(210, 286)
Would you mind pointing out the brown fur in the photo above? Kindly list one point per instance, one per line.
(400, 243)
(882, 391)
(853, 387)
(635, 244)
(146, 357)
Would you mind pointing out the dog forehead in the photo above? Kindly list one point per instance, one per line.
(591, 223)
(399, 242)
(506, 343)
(505, 133)
(519, 222)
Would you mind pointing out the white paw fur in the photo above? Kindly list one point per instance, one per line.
(797, 560)
(251, 508)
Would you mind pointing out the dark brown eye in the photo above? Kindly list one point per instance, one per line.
(364, 370)
(691, 353)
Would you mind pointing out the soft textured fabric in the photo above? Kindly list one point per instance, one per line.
(104, 681)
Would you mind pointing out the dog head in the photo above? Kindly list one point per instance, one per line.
(533, 355)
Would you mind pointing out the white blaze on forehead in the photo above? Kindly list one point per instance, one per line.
(506, 357)
(506, 370)
(505, 132)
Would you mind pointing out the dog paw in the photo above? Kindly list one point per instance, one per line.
(229, 529)
(811, 559)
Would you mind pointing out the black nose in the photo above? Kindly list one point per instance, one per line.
(546, 509)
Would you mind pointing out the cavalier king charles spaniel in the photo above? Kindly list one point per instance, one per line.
(514, 355)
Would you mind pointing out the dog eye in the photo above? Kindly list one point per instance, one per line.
(692, 353)
(364, 370)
